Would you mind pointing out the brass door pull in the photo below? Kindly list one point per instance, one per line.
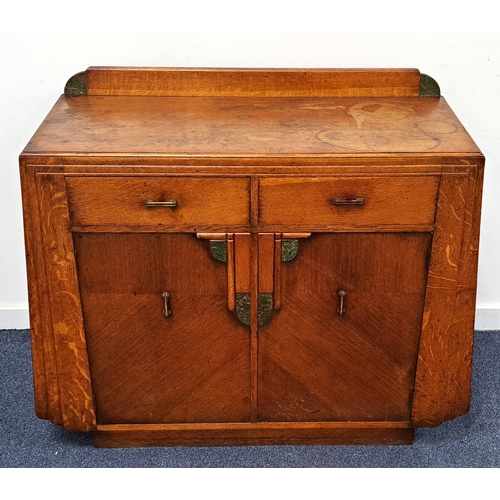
(166, 311)
(168, 203)
(342, 294)
(358, 200)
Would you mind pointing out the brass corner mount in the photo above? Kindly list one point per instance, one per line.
(76, 85)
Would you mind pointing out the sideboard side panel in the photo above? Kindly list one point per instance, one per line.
(46, 389)
(77, 409)
(467, 286)
(442, 386)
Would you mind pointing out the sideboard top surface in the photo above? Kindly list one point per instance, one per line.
(236, 112)
(224, 126)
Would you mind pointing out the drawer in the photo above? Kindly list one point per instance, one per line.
(115, 203)
(349, 201)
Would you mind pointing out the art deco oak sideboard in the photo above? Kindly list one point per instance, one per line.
(259, 256)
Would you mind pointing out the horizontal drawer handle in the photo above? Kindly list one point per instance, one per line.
(359, 200)
(168, 203)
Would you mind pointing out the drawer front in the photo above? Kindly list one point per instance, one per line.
(121, 202)
(349, 201)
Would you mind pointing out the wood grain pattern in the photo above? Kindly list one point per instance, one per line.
(142, 369)
(192, 126)
(319, 433)
(315, 365)
(442, 387)
(387, 200)
(253, 157)
(252, 82)
(75, 391)
(266, 262)
(111, 203)
(243, 262)
(467, 285)
(231, 290)
(46, 390)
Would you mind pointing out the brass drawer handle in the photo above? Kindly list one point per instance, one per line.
(342, 294)
(359, 200)
(168, 203)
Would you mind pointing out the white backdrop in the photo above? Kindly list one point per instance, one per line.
(35, 66)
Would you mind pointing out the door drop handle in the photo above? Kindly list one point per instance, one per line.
(342, 295)
(166, 310)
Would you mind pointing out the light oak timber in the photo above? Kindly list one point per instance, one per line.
(110, 201)
(430, 405)
(390, 200)
(266, 263)
(231, 290)
(75, 391)
(137, 353)
(360, 433)
(252, 158)
(442, 388)
(252, 82)
(276, 126)
(243, 262)
(236, 164)
(46, 393)
(254, 322)
(466, 291)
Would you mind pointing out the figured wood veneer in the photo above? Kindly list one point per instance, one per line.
(251, 82)
(112, 203)
(253, 255)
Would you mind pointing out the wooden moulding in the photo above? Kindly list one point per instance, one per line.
(46, 391)
(443, 378)
(360, 433)
(221, 82)
(71, 403)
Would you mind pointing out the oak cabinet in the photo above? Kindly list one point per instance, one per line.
(251, 256)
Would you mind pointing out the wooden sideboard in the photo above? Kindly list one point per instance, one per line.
(231, 257)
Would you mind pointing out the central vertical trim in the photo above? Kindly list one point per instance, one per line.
(254, 323)
(254, 297)
(254, 201)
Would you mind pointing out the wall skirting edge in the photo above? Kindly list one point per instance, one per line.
(14, 318)
(17, 318)
(487, 318)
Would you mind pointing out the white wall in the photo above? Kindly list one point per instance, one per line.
(35, 66)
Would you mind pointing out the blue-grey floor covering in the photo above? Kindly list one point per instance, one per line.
(470, 441)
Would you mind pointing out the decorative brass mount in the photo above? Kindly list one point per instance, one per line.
(234, 250)
(76, 85)
(428, 86)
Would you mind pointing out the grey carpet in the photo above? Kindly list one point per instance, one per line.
(470, 441)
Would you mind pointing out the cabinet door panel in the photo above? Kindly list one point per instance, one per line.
(192, 366)
(316, 365)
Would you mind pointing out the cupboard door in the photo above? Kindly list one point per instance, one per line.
(190, 365)
(316, 364)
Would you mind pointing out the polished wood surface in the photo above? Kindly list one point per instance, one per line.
(385, 200)
(218, 320)
(119, 203)
(442, 388)
(192, 366)
(287, 433)
(68, 344)
(318, 365)
(190, 82)
(250, 125)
